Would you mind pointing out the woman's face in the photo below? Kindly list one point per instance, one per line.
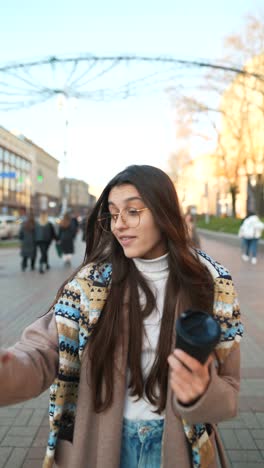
(143, 240)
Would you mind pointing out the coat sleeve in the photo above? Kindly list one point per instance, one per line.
(33, 364)
(220, 401)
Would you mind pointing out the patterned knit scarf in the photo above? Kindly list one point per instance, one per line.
(78, 310)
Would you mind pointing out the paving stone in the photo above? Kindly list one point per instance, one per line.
(257, 433)
(36, 453)
(29, 431)
(39, 403)
(252, 387)
(233, 424)
(3, 431)
(45, 422)
(17, 458)
(37, 416)
(24, 416)
(32, 464)
(251, 403)
(17, 441)
(230, 439)
(260, 444)
(6, 421)
(245, 456)
(250, 420)
(247, 465)
(41, 437)
(245, 439)
(260, 418)
(4, 455)
(9, 411)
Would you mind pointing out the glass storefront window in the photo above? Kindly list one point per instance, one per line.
(17, 161)
(13, 184)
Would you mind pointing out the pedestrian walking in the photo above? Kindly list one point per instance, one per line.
(121, 395)
(67, 233)
(189, 219)
(83, 228)
(75, 223)
(27, 236)
(45, 233)
(250, 232)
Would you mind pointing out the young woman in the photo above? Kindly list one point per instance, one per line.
(121, 395)
(250, 232)
(67, 233)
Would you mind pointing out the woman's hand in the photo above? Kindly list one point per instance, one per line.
(189, 378)
(5, 357)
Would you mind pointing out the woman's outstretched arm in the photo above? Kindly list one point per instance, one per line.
(30, 366)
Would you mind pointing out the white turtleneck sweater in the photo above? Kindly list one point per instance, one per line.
(156, 273)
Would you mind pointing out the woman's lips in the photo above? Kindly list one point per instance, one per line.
(126, 240)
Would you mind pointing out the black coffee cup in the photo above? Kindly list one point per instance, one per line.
(197, 333)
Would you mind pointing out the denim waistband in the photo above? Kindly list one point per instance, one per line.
(143, 428)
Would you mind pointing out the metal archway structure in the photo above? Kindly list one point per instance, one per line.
(97, 78)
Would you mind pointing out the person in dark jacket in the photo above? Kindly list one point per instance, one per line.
(45, 233)
(27, 236)
(66, 236)
(75, 224)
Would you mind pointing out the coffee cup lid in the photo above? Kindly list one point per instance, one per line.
(198, 328)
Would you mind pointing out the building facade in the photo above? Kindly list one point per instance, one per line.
(75, 196)
(29, 180)
(45, 181)
(16, 169)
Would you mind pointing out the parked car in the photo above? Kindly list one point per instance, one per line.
(9, 226)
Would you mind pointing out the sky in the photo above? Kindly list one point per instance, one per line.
(104, 137)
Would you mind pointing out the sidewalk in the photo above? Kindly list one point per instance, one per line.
(24, 427)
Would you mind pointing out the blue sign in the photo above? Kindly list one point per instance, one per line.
(8, 175)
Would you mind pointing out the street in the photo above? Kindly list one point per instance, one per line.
(26, 296)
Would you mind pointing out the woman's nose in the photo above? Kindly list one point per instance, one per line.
(120, 222)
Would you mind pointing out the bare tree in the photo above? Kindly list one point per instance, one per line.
(234, 108)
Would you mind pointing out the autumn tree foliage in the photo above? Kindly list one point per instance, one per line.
(229, 107)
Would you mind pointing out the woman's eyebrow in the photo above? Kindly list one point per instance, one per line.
(126, 200)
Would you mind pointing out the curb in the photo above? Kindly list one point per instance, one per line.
(231, 239)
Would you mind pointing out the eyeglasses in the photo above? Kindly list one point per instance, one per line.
(129, 216)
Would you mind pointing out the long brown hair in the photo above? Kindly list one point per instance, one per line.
(29, 223)
(188, 279)
(66, 221)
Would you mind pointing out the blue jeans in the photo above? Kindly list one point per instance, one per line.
(250, 247)
(141, 443)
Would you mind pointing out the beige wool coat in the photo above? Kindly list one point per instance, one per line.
(97, 437)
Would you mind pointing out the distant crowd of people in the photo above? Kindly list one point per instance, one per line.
(36, 235)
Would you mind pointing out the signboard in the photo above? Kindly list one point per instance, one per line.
(7, 175)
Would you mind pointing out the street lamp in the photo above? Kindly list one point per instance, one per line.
(64, 104)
